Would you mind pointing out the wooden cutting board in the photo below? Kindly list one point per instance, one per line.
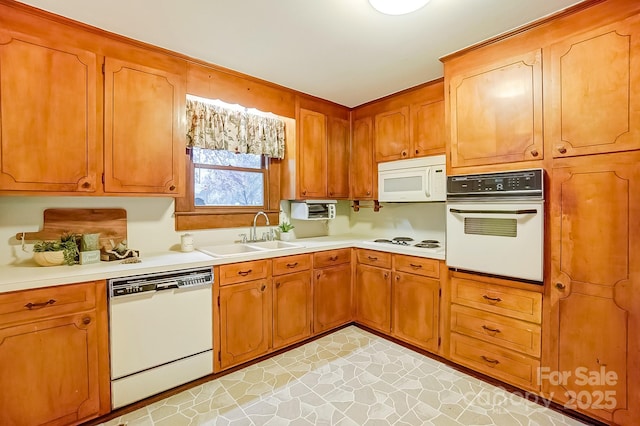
(110, 223)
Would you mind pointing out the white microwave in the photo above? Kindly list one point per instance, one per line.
(313, 209)
(421, 179)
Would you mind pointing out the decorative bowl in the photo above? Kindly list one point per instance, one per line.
(49, 258)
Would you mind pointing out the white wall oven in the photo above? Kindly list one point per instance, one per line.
(495, 224)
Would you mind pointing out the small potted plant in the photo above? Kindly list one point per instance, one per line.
(285, 228)
(56, 252)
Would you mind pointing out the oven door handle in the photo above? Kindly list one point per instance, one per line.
(524, 211)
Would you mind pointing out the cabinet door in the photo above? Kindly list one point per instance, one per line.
(594, 103)
(245, 321)
(496, 112)
(416, 307)
(49, 111)
(50, 371)
(312, 155)
(373, 297)
(392, 134)
(291, 308)
(331, 297)
(144, 132)
(363, 170)
(595, 293)
(337, 158)
(427, 128)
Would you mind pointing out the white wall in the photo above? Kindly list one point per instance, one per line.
(151, 224)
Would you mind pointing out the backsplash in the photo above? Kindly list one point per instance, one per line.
(151, 224)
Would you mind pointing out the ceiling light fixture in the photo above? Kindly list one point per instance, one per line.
(397, 7)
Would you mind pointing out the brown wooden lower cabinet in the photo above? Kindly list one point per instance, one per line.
(416, 310)
(245, 321)
(331, 297)
(373, 297)
(54, 364)
(291, 308)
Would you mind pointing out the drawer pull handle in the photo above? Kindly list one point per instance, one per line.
(244, 273)
(491, 330)
(32, 306)
(492, 299)
(372, 258)
(414, 266)
(490, 360)
(86, 320)
(333, 258)
(292, 265)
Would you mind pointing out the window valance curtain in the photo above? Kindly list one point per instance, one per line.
(215, 127)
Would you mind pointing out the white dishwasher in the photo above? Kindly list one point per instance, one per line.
(161, 332)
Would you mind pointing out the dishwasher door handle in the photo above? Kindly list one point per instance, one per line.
(161, 287)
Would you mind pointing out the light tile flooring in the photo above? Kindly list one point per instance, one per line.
(350, 377)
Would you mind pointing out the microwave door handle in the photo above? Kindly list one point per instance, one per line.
(513, 212)
(427, 177)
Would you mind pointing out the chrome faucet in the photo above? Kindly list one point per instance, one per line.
(253, 235)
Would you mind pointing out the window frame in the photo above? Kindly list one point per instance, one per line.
(188, 216)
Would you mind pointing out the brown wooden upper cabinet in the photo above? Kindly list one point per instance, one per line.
(496, 112)
(410, 131)
(392, 134)
(362, 165)
(48, 99)
(593, 104)
(52, 121)
(323, 155)
(144, 129)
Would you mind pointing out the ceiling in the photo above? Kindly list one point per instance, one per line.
(339, 50)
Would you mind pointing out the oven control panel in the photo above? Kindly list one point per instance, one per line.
(522, 184)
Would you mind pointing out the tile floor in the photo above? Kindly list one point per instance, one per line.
(349, 378)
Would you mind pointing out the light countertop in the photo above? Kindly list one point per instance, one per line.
(29, 275)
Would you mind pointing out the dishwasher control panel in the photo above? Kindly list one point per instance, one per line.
(183, 278)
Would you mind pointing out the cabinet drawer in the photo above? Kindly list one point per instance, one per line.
(28, 305)
(506, 332)
(374, 258)
(417, 265)
(331, 257)
(512, 302)
(290, 264)
(243, 271)
(509, 366)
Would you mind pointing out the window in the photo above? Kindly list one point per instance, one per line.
(225, 179)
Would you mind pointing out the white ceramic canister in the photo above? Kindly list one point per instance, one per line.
(186, 242)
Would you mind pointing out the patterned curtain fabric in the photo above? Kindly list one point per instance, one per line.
(215, 127)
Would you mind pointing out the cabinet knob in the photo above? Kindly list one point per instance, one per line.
(534, 153)
(278, 284)
(562, 150)
(304, 192)
(331, 193)
(86, 320)
(417, 151)
(386, 275)
(404, 153)
(263, 287)
(172, 188)
(368, 192)
(86, 185)
(560, 286)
